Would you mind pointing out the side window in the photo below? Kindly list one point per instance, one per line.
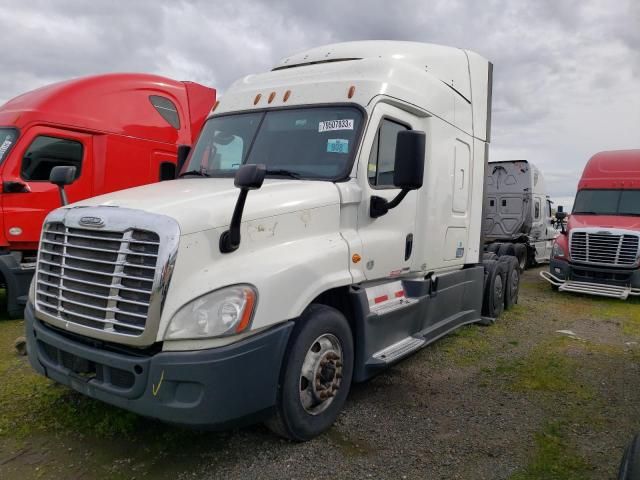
(167, 109)
(383, 152)
(548, 212)
(44, 153)
(536, 209)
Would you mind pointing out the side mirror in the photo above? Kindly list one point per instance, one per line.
(183, 153)
(62, 176)
(561, 215)
(409, 165)
(408, 171)
(248, 177)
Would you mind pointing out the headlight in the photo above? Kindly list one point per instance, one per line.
(224, 312)
(557, 250)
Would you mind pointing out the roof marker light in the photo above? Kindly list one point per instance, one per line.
(257, 99)
(352, 91)
(272, 95)
(215, 105)
(287, 94)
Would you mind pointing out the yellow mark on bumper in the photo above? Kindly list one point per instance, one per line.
(155, 389)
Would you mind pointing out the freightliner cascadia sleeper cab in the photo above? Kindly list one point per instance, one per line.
(118, 130)
(326, 224)
(599, 251)
(518, 219)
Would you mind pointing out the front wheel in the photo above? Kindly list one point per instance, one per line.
(316, 374)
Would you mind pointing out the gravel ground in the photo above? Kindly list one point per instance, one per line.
(517, 400)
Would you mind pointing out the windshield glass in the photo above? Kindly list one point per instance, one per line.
(607, 202)
(8, 137)
(312, 143)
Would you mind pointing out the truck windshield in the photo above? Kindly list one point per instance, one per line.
(311, 143)
(8, 137)
(607, 202)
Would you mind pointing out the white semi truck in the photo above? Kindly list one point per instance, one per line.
(518, 219)
(326, 224)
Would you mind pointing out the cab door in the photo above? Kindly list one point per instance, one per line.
(27, 195)
(387, 241)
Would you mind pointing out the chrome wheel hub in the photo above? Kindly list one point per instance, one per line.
(321, 374)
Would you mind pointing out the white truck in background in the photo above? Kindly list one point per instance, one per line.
(518, 218)
(326, 224)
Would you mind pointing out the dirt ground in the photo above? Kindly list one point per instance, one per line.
(551, 391)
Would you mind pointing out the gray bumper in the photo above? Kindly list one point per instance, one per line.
(206, 388)
(605, 282)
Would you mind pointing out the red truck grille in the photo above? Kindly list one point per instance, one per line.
(605, 248)
(98, 279)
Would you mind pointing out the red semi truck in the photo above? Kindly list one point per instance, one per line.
(598, 252)
(118, 130)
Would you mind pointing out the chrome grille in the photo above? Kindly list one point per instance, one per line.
(98, 279)
(605, 248)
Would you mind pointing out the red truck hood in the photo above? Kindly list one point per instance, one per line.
(604, 221)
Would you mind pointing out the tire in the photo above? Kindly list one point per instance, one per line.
(493, 295)
(522, 255)
(494, 247)
(489, 256)
(506, 249)
(321, 344)
(630, 465)
(512, 285)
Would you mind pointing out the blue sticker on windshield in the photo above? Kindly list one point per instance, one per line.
(337, 145)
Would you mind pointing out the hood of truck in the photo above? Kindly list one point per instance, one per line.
(604, 222)
(199, 204)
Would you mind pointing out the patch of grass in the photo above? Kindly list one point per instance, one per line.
(554, 458)
(548, 369)
(465, 346)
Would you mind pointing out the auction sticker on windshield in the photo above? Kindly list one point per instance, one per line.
(331, 125)
(337, 145)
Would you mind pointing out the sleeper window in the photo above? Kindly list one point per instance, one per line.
(537, 209)
(383, 154)
(44, 153)
(167, 109)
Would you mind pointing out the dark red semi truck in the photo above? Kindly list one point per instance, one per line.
(118, 130)
(598, 252)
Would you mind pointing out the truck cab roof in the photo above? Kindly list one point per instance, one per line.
(417, 73)
(612, 169)
(88, 103)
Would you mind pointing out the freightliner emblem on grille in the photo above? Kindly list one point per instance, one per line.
(96, 222)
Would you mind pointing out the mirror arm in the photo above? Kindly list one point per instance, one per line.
(380, 206)
(230, 239)
(63, 196)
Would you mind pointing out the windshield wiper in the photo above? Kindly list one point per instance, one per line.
(199, 173)
(284, 173)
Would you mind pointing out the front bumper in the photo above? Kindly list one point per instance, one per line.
(206, 388)
(604, 282)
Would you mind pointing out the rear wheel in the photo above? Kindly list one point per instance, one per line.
(494, 247)
(512, 286)
(494, 288)
(522, 255)
(630, 466)
(316, 375)
(506, 249)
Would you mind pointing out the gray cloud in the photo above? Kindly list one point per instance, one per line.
(567, 74)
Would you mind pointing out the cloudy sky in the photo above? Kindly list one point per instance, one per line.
(566, 72)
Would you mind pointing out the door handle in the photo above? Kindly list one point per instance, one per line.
(15, 186)
(408, 247)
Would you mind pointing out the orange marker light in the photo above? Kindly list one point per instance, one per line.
(356, 258)
(287, 94)
(272, 95)
(352, 91)
(215, 106)
(257, 99)
(250, 297)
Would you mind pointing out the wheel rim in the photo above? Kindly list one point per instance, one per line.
(321, 374)
(498, 290)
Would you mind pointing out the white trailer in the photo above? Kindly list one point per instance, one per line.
(326, 224)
